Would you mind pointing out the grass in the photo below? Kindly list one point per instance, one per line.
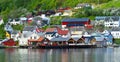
(117, 41)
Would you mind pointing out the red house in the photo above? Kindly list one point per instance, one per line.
(9, 42)
(75, 22)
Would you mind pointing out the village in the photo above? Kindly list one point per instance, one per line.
(100, 32)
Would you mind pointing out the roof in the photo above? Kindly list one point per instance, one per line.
(52, 33)
(76, 37)
(115, 29)
(78, 28)
(29, 28)
(100, 18)
(60, 39)
(113, 18)
(100, 39)
(75, 20)
(38, 40)
(14, 32)
(50, 29)
(62, 32)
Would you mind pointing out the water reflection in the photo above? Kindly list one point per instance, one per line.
(60, 55)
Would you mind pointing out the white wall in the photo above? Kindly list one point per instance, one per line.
(23, 41)
(116, 34)
(112, 24)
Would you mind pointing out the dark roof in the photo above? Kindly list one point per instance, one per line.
(29, 28)
(77, 28)
(100, 18)
(15, 32)
(115, 29)
(50, 32)
(113, 18)
(75, 20)
(60, 39)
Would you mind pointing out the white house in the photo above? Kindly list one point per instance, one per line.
(8, 28)
(23, 19)
(15, 35)
(99, 20)
(115, 32)
(112, 21)
(51, 33)
(23, 40)
(29, 32)
(1, 21)
(15, 21)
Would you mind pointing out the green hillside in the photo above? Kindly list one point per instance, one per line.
(15, 8)
(111, 4)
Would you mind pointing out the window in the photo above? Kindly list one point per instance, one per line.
(30, 37)
(34, 37)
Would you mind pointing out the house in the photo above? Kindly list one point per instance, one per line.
(8, 42)
(45, 19)
(51, 33)
(23, 40)
(99, 39)
(71, 22)
(8, 28)
(59, 41)
(63, 33)
(8, 34)
(23, 20)
(29, 20)
(29, 32)
(112, 21)
(99, 20)
(108, 21)
(108, 36)
(63, 9)
(88, 38)
(1, 21)
(115, 32)
(15, 21)
(15, 35)
(67, 13)
(41, 41)
(82, 5)
(41, 20)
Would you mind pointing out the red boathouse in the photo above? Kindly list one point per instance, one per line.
(9, 42)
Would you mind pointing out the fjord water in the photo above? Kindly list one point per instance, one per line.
(60, 55)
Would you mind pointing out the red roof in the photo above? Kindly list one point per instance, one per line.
(38, 40)
(50, 29)
(62, 32)
(39, 30)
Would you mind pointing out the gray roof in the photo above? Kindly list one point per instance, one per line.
(114, 18)
(27, 34)
(107, 18)
(100, 18)
(60, 39)
(75, 20)
(115, 29)
(29, 28)
(15, 32)
(77, 28)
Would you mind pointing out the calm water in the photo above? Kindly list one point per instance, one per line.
(60, 55)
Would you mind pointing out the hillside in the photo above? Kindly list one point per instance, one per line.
(15, 8)
(110, 4)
